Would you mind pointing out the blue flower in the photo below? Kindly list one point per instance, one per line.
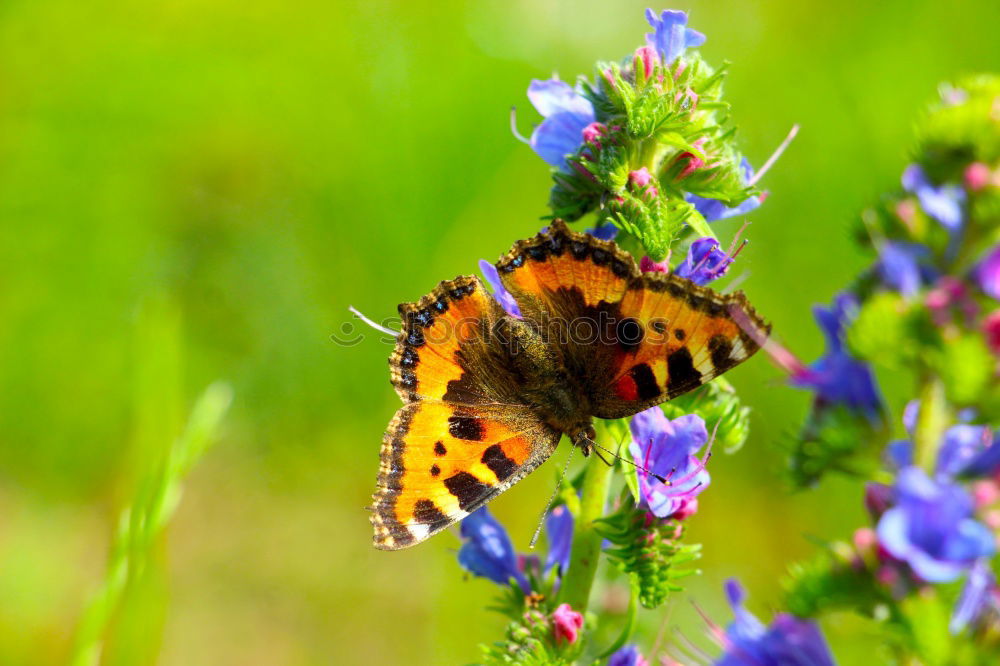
(627, 656)
(606, 231)
(789, 641)
(504, 297)
(987, 273)
(666, 448)
(943, 203)
(932, 528)
(900, 268)
(559, 532)
(566, 114)
(978, 594)
(705, 262)
(671, 35)
(487, 550)
(837, 377)
(713, 209)
(968, 450)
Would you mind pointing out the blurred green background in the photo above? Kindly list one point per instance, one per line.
(198, 190)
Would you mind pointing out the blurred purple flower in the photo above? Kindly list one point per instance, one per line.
(705, 262)
(666, 448)
(713, 209)
(567, 113)
(837, 377)
(932, 528)
(559, 531)
(504, 297)
(943, 203)
(987, 273)
(900, 268)
(978, 594)
(487, 550)
(671, 36)
(627, 656)
(789, 641)
(968, 450)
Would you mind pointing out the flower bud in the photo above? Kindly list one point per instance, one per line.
(977, 176)
(566, 623)
(643, 62)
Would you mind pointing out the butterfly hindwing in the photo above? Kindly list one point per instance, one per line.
(441, 461)
(631, 339)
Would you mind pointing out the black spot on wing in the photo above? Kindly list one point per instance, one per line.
(645, 382)
(466, 488)
(498, 462)
(682, 375)
(425, 512)
(439, 449)
(721, 348)
(435, 470)
(465, 427)
(629, 334)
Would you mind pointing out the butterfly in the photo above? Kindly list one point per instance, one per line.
(488, 395)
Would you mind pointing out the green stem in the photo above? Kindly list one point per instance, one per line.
(932, 420)
(585, 556)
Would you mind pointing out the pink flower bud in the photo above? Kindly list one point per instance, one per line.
(865, 539)
(693, 163)
(689, 507)
(985, 493)
(593, 132)
(991, 329)
(642, 179)
(644, 60)
(567, 623)
(647, 265)
(977, 176)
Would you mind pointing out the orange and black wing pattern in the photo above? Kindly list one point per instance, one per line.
(462, 437)
(632, 339)
(441, 461)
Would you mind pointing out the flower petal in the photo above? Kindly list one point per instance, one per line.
(553, 96)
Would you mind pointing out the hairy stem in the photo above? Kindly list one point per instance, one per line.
(585, 556)
(931, 422)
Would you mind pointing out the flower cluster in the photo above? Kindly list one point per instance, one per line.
(925, 310)
(645, 146)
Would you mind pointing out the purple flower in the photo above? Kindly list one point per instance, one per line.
(559, 531)
(606, 231)
(978, 595)
(567, 113)
(713, 209)
(900, 269)
(705, 262)
(487, 550)
(789, 641)
(837, 377)
(968, 450)
(943, 203)
(666, 448)
(932, 528)
(671, 36)
(988, 273)
(627, 656)
(500, 293)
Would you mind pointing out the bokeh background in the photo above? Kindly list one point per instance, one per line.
(192, 191)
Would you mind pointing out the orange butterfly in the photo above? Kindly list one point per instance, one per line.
(488, 395)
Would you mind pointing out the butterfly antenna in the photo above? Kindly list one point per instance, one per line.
(552, 498)
(377, 327)
(656, 476)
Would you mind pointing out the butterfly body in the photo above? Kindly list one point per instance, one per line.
(488, 395)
